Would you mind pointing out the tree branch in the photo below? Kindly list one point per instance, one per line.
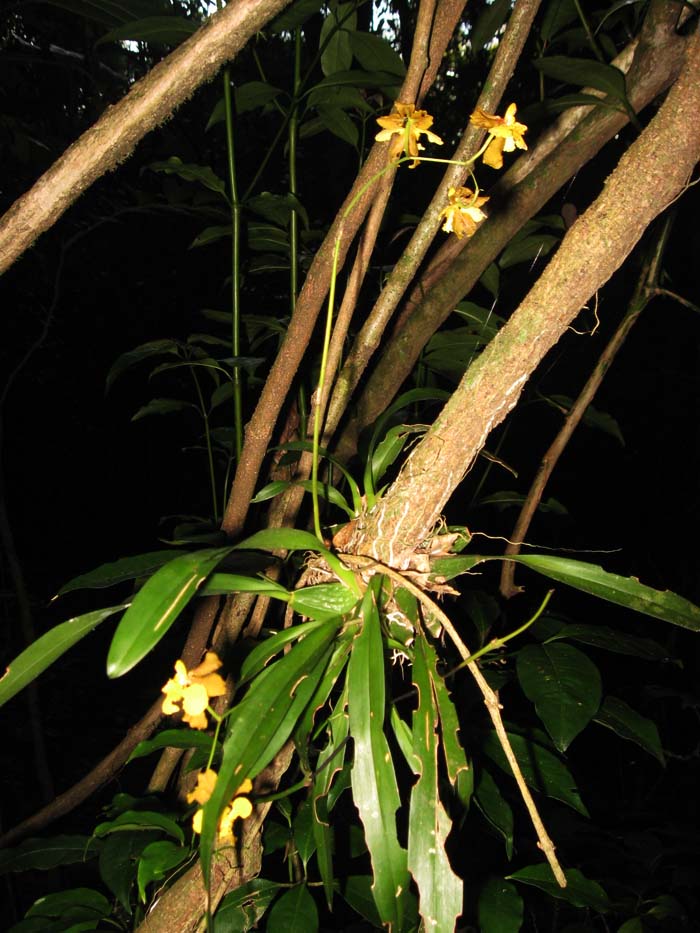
(517, 197)
(112, 139)
(643, 294)
(649, 176)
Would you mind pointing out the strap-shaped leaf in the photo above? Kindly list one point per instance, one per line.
(157, 605)
(172, 738)
(241, 583)
(439, 889)
(291, 539)
(374, 787)
(330, 762)
(118, 571)
(263, 721)
(45, 650)
(590, 578)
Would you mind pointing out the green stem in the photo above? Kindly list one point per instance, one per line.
(219, 720)
(235, 268)
(591, 38)
(210, 451)
(293, 136)
(496, 643)
(318, 412)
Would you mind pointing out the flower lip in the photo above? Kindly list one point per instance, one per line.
(240, 807)
(403, 129)
(506, 133)
(463, 212)
(189, 692)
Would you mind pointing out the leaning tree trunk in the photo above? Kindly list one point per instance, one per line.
(650, 175)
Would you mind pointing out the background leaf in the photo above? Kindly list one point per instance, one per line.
(615, 714)
(564, 685)
(294, 912)
(500, 908)
(579, 891)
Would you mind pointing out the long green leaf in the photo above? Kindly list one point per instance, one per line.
(172, 738)
(330, 762)
(242, 583)
(624, 591)
(47, 649)
(118, 571)
(374, 787)
(157, 605)
(439, 889)
(590, 578)
(565, 686)
(291, 539)
(263, 721)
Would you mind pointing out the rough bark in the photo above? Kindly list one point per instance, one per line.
(113, 138)
(649, 176)
(520, 194)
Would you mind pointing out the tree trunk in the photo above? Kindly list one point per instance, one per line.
(650, 175)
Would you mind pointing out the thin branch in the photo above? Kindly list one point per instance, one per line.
(365, 564)
(643, 293)
(113, 138)
(519, 195)
(650, 175)
(105, 771)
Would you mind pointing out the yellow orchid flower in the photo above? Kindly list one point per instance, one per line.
(506, 134)
(463, 212)
(193, 689)
(403, 129)
(240, 807)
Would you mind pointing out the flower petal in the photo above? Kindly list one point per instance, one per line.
(210, 664)
(494, 153)
(206, 781)
(213, 684)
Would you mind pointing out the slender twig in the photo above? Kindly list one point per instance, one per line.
(368, 564)
(643, 293)
(112, 139)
